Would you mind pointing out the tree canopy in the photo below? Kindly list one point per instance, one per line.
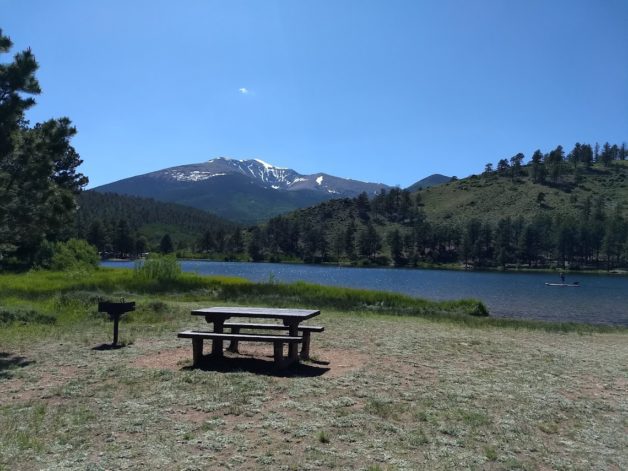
(38, 166)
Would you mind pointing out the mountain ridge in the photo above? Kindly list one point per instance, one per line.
(246, 191)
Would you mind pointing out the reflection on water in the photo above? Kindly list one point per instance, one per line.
(599, 299)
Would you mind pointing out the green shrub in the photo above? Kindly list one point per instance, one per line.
(75, 254)
(158, 268)
(479, 310)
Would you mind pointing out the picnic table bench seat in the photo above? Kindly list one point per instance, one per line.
(278, 342)
(305, 330)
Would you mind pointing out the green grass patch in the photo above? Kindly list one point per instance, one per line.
(70, 296)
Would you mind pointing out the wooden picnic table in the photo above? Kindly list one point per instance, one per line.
(291, 318)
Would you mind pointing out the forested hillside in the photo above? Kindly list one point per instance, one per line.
(556, 210)
(128, 225)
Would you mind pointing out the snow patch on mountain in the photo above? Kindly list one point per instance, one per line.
(267, 166)
(194, 176)
(319, 180)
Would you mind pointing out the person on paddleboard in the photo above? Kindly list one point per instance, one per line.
(562, 277)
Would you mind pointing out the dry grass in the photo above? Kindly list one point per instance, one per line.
(399, 393)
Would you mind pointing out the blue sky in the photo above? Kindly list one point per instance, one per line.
(386, 91)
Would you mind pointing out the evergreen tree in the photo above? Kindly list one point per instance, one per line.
(395, 241)
(96, 235)
(207, 243)
(349, 240)
(363, 205)
(515, 165)
(255, 245)
(503, 241)
(338, 244)
(369, 242)
(606, 157)
(503, 168)
(586, 155)
(38, 177)
(555, 161)
(235, 242)
(141, 245)
(165, 245)
(575, 156)
(124, 241)
(538, 169)
(471, 241)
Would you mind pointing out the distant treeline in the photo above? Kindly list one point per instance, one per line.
(393, 229)
(120, 225)
(554, 165)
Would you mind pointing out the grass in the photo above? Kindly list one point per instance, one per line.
(48, 291)
(401, 392)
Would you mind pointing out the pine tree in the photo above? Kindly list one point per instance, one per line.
(38, 177)
(165, 245)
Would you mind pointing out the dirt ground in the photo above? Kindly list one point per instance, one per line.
(421, 396)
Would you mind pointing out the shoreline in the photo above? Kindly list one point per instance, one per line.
(456, 268)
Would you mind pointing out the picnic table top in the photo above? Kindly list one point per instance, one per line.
(261, 312)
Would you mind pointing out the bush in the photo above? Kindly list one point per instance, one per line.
(75, 254)
(158, 268)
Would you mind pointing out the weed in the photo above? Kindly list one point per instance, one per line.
(417, 437)
(549, 427)
(474, 418)
(160, 268)
(491, 453)
(385, 409)
(323, 437)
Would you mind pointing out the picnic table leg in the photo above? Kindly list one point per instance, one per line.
(293, 348)
(197, 351)
(217, 343)
(233, 346)
(278, 353)
(305, 349)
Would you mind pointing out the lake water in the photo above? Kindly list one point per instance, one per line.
(601, 299)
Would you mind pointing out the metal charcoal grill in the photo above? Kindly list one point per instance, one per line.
(115, 311)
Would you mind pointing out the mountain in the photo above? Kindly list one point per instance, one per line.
(433, 180)
(246, 191)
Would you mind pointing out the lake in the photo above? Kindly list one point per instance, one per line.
(601, 299)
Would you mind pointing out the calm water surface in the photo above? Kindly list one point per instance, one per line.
(600, 299)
